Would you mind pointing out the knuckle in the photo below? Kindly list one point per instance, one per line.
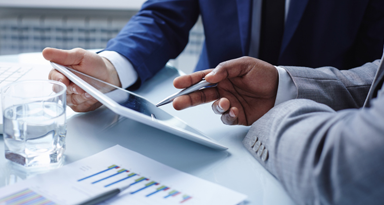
(201, 73)
(222, 64)
(53, 75)
(78, 51)
(244, 58)
(197, 98)
(69, 99)
(90, 103)
(190, 100)
(75, 100)
(203, 98)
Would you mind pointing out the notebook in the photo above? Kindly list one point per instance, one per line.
(12, 72)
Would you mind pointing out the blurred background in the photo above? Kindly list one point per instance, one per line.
(31, 25)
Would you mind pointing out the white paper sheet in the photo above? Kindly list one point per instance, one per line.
(152, 183)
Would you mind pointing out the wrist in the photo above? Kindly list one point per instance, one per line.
(113, 77)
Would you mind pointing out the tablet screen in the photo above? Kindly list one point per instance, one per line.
(135, 102)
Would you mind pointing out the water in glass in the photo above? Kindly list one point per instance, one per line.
(34, 133)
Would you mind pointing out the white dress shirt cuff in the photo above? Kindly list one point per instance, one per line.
(127, 74)
(286, 89)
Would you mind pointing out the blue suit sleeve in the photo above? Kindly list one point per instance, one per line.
(157, 33)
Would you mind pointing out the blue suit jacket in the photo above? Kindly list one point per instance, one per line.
(339, 33)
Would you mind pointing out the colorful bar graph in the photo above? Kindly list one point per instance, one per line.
(139, 180)
(118, 172)
(185, 198)
(109, 168)
(146, 186)
(172, 193)
(162, 188)
(26, 197)
(129, 176)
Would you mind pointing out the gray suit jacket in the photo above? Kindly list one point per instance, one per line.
(323, 156)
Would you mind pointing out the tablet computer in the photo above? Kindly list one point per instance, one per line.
(135, 107)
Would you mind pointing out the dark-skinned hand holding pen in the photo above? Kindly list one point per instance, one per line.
(246, 89)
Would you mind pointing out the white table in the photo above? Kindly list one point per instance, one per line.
(90, 133)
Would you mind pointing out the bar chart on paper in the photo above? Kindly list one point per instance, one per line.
(141, 186)
(26, 196)
(149, 182)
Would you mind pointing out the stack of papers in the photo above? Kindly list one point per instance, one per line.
(151, 183)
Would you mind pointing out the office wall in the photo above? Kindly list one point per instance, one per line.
(75, 4)
(31, 29)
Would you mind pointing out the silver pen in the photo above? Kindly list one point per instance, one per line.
(104, 196)
(198, 86)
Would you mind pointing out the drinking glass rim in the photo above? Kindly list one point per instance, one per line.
(36, 81)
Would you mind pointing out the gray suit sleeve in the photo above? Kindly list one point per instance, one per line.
(335, 88)
(322, 156)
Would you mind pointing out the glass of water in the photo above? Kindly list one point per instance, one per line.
(34, 122)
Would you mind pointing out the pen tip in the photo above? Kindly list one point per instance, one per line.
(159, 104)
(164, 102)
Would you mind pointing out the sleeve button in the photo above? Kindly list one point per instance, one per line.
(255, 142)
(257, 146)
(265, 155)
(261, 149)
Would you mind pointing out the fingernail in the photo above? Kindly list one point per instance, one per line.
(74, 90)
(219, 108)
(87, 95)
(231, 113)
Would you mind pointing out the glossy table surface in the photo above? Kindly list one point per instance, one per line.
(92, 132)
